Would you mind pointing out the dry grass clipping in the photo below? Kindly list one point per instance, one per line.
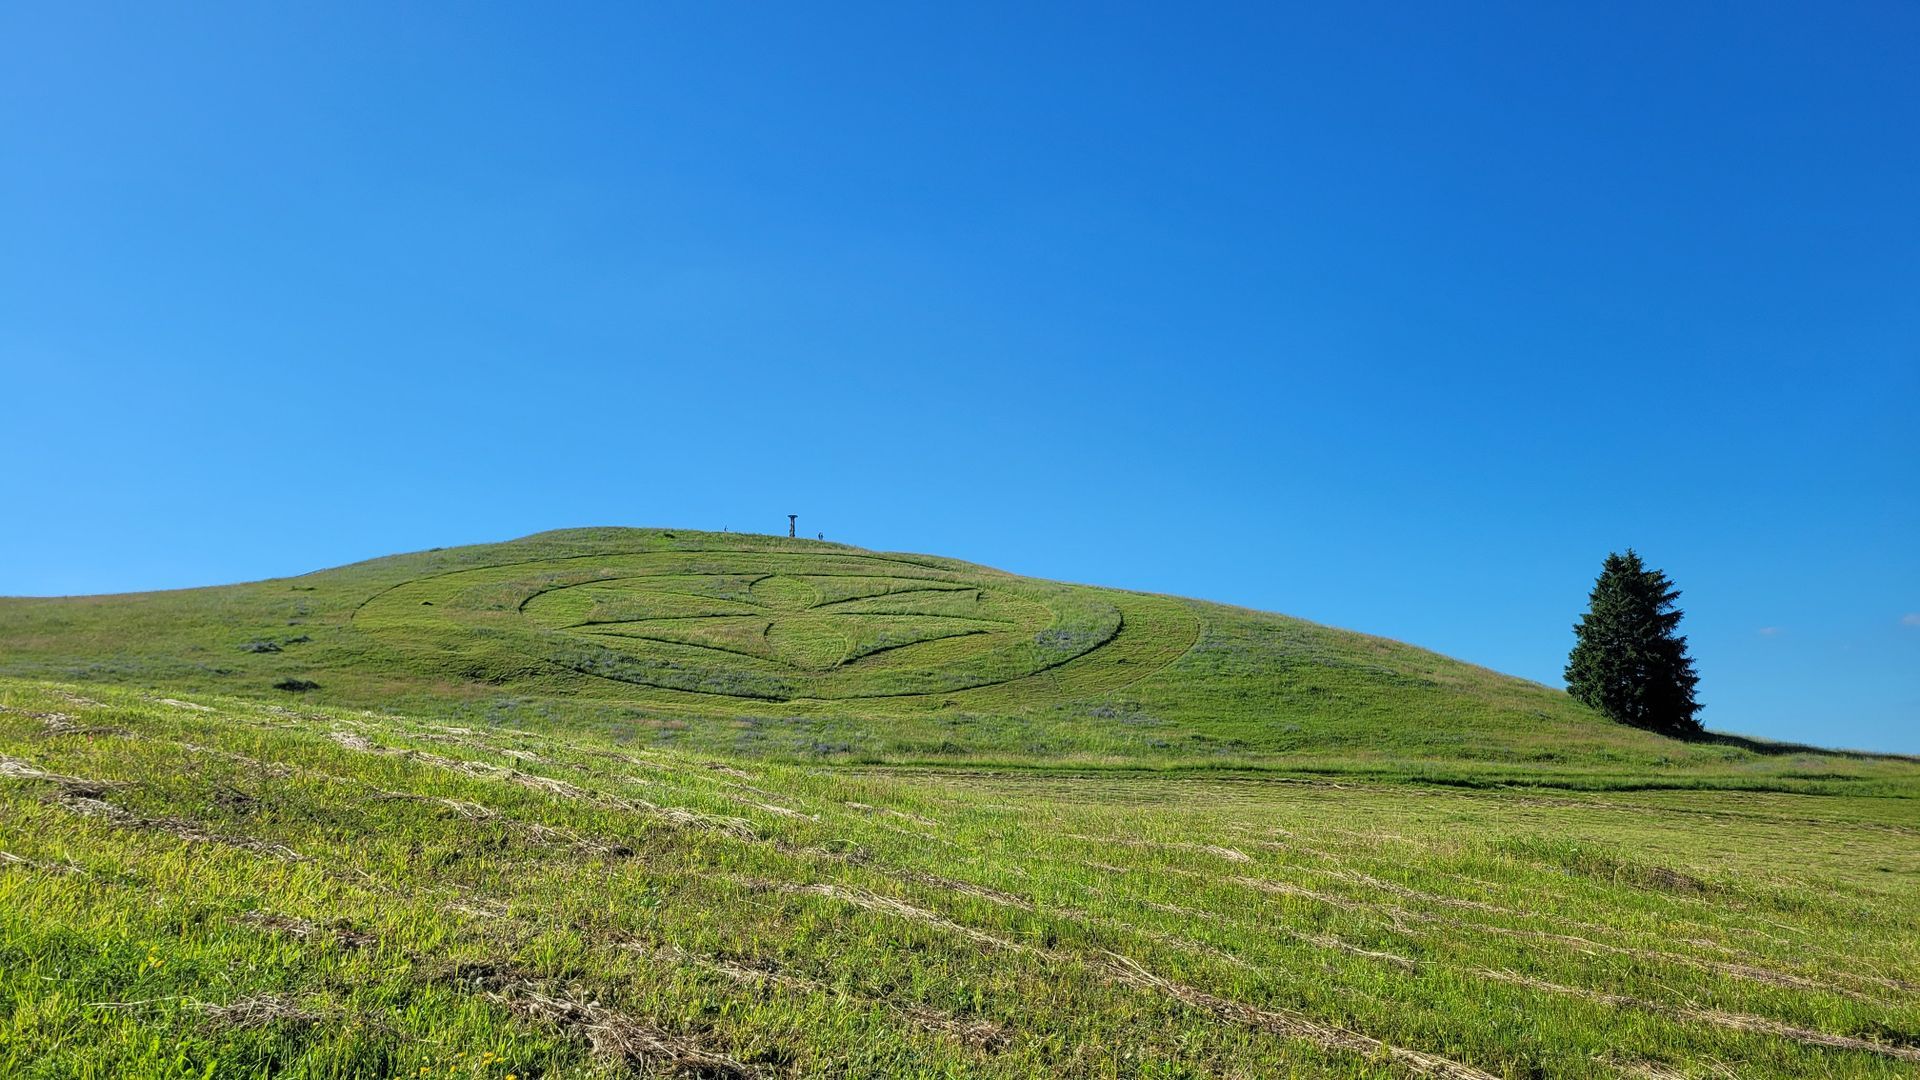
(1292, 1025)
(617, 1036)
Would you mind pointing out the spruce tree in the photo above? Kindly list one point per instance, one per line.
(1628, 661)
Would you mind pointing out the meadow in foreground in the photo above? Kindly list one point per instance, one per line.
(193, 885)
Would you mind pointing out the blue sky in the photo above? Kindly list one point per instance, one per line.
(1396, 317)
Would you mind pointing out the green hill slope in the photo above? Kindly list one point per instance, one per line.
(802, 650)
(626, 803)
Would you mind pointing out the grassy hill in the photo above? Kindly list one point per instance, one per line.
(798, 650)
(614, 803)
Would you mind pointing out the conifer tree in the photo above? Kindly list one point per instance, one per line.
(1628, 660)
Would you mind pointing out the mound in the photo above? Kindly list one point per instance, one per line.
(781, 648)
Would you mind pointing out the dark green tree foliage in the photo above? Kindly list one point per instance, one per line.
(1628, 659)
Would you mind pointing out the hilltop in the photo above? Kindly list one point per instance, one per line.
(800, 650)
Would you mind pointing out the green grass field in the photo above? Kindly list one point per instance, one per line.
(623, 802)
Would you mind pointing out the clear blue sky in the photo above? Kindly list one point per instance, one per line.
(1396, 317)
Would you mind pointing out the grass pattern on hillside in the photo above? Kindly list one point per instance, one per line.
(199, 886)
(765, 625)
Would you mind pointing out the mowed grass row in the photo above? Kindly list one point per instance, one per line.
(213, 887)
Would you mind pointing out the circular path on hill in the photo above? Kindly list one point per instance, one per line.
(779, 626)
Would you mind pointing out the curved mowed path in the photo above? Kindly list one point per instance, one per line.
(781, 626)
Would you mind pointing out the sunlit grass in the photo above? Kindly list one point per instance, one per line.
(249, 889)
